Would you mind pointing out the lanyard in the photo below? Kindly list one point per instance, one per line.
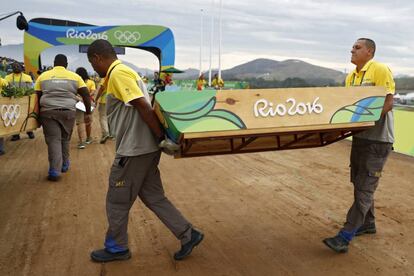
(20, 81)
(109, 74)
(362, 79)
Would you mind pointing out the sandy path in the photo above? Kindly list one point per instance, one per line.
(263, 214)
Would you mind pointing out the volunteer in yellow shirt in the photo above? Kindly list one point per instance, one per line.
(83, 120)
(135, 171)
(370, 148)
(20, 80)
(201, 82)
(56, 90)
(217, 82)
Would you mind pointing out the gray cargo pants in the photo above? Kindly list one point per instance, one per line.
(57, 128)
(139, 176)
(367, 161)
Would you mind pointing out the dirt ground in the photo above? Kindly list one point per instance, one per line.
(262, 214)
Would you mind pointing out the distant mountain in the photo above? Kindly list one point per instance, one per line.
(259, 68)
(280, 70)
(189, 74)
(14, 51)
(268, 69)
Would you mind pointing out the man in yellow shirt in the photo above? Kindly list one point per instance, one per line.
(135, 170)
(201, 82)
(20, 80)
(3, 83)
(217, 82)
(370, 148)
(56, 90)
(81, 119)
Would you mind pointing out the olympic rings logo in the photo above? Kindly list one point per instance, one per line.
(127, 36)
(9, 114)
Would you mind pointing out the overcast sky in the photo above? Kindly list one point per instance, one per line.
(319, 32)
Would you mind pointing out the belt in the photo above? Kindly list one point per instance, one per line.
(62, 109)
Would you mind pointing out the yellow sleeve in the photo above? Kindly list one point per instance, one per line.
(8, 78)
(124, 86)
(81, 83)
(383, 77)
(91, 85)
(37, 86)
(27, 78)
(3, 82)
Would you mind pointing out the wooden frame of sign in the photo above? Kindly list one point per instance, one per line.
(241, 121)
(15, 115)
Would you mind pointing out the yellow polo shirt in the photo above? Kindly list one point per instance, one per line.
(200, 83)
(217, 82)
(375, 74)
(123, 82)
(102, 98)
(372, 74)
(133, 135)
(3, 83)
(90, 84)
(19, 80)
(59, 87)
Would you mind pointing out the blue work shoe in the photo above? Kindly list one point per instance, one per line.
(366, 229)
(196, 238)
(103, 255)
(65, 166)
(337, 244)
(53, 175)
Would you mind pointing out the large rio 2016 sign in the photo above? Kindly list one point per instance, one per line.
(44, 33)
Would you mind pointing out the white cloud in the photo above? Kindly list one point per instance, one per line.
(320, 31)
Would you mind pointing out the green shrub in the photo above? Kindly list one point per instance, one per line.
(16, 92)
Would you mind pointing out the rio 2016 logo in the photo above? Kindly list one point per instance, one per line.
(87, 34)
(10, 114)
(127, 36)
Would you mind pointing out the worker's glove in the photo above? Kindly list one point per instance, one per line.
(169, 147)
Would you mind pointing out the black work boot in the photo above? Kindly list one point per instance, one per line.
(196, 238)
(366, 229)
(337, 244)
(103, 255)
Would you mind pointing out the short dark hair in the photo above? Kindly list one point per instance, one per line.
(101, 47)
(370, 44)
(60, 60)
(17, 65)
(81, 71)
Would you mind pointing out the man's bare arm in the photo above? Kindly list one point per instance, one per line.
(388, 103)
(84, 93)
(99, 94)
